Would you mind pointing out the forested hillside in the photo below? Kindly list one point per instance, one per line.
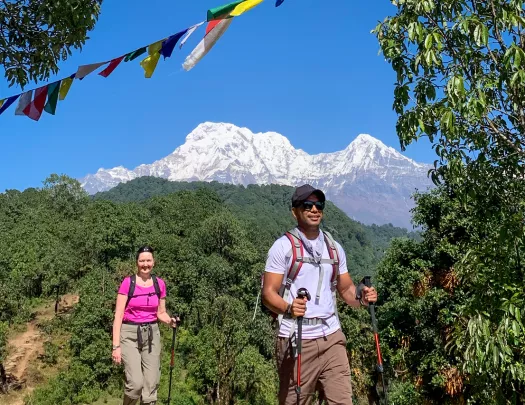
(211, 242)
(270, 205)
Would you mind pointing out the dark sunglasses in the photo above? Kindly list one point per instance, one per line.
(308, 205)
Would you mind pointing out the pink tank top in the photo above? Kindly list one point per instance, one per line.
(143, 306)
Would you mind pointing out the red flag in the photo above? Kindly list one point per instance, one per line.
(211, 25)
(34, 110)
(112, 66)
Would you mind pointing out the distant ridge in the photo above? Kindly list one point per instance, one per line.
(368, 180)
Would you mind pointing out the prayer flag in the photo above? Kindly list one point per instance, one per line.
(53, 90)
(169, 44)
(206, 44)
(244, 7)
(112, 66)
(7, 103)
(135, 54)
(65, 86)
(188, 34)
(221, 12)
(34, 110)
(150, 62)
(211, 25)
(84, 70)
(23, 102)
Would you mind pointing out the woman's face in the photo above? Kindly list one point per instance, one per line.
(145, 262)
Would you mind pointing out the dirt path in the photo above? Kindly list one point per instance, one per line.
(25, 348)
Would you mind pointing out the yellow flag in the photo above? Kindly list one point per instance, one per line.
(244, 6)
(150, 62)
(2, 102)
(64, 88)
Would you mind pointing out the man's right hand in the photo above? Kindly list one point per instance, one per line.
(299, 307)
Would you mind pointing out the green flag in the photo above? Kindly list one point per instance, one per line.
(52, 97)
(222, 11)
(135, 54)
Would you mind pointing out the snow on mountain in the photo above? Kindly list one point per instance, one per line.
(368, 180)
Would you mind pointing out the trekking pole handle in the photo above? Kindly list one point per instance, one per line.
(303, 293)
(177, 321)
(366, 282)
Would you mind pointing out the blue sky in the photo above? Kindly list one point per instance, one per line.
(309, 70)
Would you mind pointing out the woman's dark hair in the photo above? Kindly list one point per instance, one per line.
(143, 249)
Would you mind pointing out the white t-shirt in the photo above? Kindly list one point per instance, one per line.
(279, 261)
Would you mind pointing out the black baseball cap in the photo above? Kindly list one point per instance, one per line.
(301, 193)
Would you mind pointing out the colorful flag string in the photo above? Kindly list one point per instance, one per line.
(34, 102)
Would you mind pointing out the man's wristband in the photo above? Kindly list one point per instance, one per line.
(288, 309)
(361, 302)
(115, 347)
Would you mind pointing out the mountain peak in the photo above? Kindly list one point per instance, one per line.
(367, 138)
(204, 130)
(358, 178)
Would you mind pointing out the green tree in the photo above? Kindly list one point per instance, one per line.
(66, 194)
(460, 67)
(452, 303)
(36, 35)
(460, 71)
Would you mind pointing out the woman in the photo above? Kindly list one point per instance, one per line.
(136, 335)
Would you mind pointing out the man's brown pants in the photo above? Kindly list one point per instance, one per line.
(324, 366)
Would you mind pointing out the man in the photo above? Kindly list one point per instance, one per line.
(324, 363)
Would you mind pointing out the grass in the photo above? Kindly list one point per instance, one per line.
(108, 401)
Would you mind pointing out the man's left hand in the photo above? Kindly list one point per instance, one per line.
(369, 295)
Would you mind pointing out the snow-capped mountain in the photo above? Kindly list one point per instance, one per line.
(368, 180)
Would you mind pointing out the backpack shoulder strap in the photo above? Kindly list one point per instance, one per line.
(131, 291)
(156, 285)
(334, 256)
(333, 253)
(297, 254)
(295, 266)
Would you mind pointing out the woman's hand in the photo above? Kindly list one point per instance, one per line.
(174, 321)
(116, 355)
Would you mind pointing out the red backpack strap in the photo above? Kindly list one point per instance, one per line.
(295, 266)
(297, 255)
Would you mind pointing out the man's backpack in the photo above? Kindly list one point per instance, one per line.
(297, 254)
(133, 282)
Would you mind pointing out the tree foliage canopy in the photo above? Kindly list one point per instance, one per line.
(460, 67)
(460, 72)
(35, 35)
(211, 242)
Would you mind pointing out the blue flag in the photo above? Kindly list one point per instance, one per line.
(8, 103)
(278, 3)
(169, 44)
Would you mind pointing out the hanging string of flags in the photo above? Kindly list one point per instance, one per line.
(33, 103)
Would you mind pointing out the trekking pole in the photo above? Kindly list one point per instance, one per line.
(172, 361)
(371, 308)
(301, 293)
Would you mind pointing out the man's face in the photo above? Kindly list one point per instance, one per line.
(308, 218)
